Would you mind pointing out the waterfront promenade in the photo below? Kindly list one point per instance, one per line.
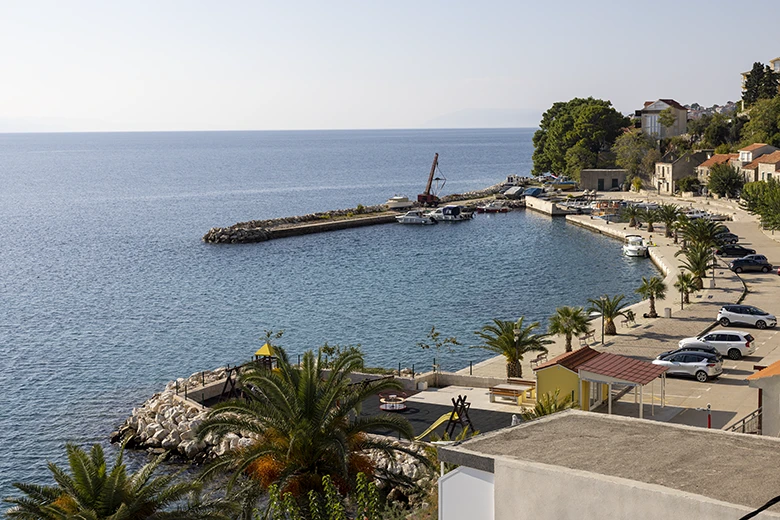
(729, 395)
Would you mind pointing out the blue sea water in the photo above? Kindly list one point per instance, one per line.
(107, 292)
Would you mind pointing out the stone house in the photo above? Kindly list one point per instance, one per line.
(747, 162)
(602, 179)
(650, 124)
(768, 166)
(703, 170)
(673, 166)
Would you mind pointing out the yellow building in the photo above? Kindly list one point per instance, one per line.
(560, 373)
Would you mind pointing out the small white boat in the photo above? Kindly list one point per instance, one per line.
(495, 206)
(635, 246)
(415, 217)
(451, 213)
(399, 202)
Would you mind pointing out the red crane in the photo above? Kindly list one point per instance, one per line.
(427, 198)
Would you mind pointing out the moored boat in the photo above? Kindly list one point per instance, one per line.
(495, 206)
(635, 246)
(415, 217)
(451, 213)
(399, 202)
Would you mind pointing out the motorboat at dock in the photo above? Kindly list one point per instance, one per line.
(398, 202)
(635, 246)
(495, 206)
(451, 213)
(415, 217)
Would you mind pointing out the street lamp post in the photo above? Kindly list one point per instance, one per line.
(602, 319)
(681, 298)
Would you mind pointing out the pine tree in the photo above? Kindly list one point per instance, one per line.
(753, 84)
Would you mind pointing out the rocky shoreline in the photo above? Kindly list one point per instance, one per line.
(264, 230)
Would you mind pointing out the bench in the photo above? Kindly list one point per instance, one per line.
(541, 358)
(628, 319)
(517, 392)
(588, 336)
(505, 392)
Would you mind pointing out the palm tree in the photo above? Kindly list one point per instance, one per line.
(92, 491)
(698, 258)
(652, 289)
(650, 216)
(701, 231)
(548, 404)
(685, 284)
(305, 424)
(568, 321)
(609, 308)
(668, 214)
(631, 212)
(513, 341)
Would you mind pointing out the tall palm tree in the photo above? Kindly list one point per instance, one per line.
(305, 424)
(92, 491)
(630, 212)
(701, 231)
(686, 286)
(650, 216)
(651, 289)
(548, 404)
(568, 321)
(513, 341)
(698, 258)
(668, 214)
(610, 308)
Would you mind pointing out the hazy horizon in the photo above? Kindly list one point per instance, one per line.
(87, 66)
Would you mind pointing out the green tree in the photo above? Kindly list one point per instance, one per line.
(725, 180)
(305, 423)
(753, 83)
(647, 168)
(700, 231)
(586, 123)
(568, 321)
(548, 404)
(512, 340)
(579, 157)
(631, 213)
(650, 217)
(630, 149)
(94, 491)
(668, 213)
(667, 118)
(651, 289)
(698, 258)
(686, 285)
(610, 308)
(689, 183)
(769, 83)
(330, 504)
(636, 184)
(764, 124)
(763, 199)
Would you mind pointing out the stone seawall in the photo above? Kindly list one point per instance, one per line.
(263, 230)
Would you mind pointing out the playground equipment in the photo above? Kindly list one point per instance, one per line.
(458, 416)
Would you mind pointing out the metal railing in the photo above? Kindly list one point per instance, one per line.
(751, 423)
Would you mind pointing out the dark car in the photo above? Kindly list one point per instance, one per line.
(750, 264)
(734, 250)
(727, 238)
(692, 348)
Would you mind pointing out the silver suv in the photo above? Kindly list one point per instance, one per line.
(746, 314)
(732, 343)
(701, 365)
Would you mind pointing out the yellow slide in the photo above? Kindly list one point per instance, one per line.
(441, 420)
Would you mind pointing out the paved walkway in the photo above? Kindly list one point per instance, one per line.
(729, 396)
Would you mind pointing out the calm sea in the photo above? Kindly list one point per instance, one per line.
(107, 292)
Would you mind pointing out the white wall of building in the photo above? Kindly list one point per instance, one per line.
(543, 492)
(466, 494)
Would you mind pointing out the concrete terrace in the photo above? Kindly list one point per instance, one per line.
(729, 396)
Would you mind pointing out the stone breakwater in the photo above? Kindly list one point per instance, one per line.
(264, 230)
(168, 422)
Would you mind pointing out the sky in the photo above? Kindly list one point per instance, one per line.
(168, 65)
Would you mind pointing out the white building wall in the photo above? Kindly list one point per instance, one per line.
(466, 494)
(542, 492)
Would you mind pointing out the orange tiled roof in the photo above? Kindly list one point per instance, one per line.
(771, 370)
(571, 360)
(624, 368)
(750, 148)
(718, 158)
(770, 158)
(754, 164)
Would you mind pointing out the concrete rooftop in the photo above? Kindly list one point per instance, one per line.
(735, 468)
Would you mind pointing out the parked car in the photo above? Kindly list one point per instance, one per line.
(692, 348)
(750, 264)
(701, 365)
(732, 343)
(746, 314)
(727, 238)
(734, 250)
(760, 258)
